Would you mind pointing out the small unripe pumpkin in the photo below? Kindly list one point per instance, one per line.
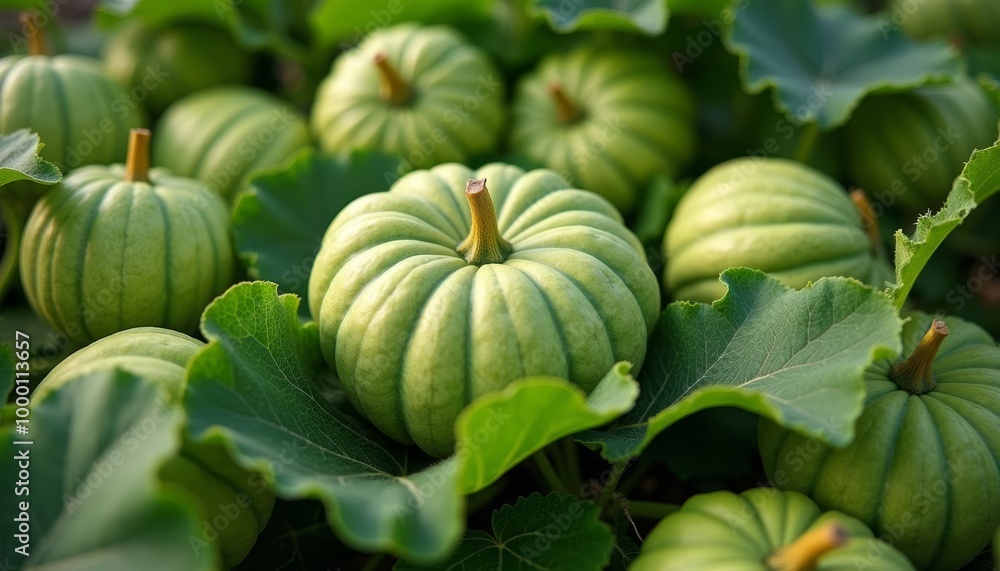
(81, 115)
(122, 246)
(608, 119)
(167, 63)
(441, 290)
(423, 93)
(924, 467)
(203, 470)
(774, 215)
(977, 21)
(762, 529)
(224, 135)
(909, 147)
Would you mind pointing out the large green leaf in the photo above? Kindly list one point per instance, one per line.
(796, 357)
(260, 385)
(349, 21)
(822, 61)
(979, 180)
(280, 221)
(19, 159)
(646, 16)
(550, 533)
(95, 502)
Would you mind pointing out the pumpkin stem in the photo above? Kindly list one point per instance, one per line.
(803, 553)
(914, 374)
(566, 110)
(137, 159)
(36, 39)
(392, 88)
(484, 245)
(868, 219)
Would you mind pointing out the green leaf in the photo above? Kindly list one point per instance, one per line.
(646, 16)
(19, 159)
(540, 410)
(550, 533)
(979, 180)
(95, 501)
(350, 21)
(796, 357)
(625, 549)
(822, 61)
(280, 221)
(259, 385)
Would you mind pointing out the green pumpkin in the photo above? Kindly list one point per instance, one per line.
(977, 21)
(907, 148)
(762, 529)
(427, 297)
(164, 64)
(924, 468)
(423, 93)
(774, 215)
(203, 470)
(81, 115)
(116, 247)
(223, 136)
(607, 119)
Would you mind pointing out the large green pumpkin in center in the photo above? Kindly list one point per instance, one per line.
(444, 288)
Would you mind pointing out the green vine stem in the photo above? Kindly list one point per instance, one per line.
(566, 110)
(549, 473)
(915, 373)
(608, 492)
(810, 134)
(137, 159)
(802, 554)
(651, 510)
(392, 88)
(484, 244)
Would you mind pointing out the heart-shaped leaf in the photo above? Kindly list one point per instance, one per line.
(796, 357)
(19, 159)
(93, 500)
(550, 533)
(280, 221)
(979, 180)
(645, 16)
(821, 61)
(258, 385)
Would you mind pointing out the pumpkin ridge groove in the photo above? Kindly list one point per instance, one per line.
(125, 245)
(164, 213)
(949, 488)
(195, 170)
(890, 454)
(964, 418)
(555, 320)
(82, 258)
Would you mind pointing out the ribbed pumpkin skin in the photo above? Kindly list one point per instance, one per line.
(223, 135)
(888, 131)
(774, 215)
(723, 531)
(415, 332)
(203, 470)
(897, 472)
(456, 111)
(100, 255)
(977, 21)
(79, 113)
(180, 59)
(637, 120)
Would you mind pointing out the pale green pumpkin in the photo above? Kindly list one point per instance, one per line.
(203, 470)
(422, 93)
(924, 468)
(443, 289)
(977, 21)
(224, 135)
(115, 247)
(762, 529)
(606, 118)
(774, 215)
